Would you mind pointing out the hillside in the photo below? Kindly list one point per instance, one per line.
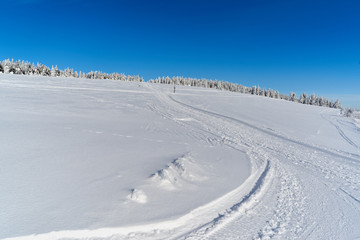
(105, 159)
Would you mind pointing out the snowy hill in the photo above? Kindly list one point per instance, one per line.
(104, 159)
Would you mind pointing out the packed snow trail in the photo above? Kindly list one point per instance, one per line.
(296, 190)
(308, 188)
(299, 206)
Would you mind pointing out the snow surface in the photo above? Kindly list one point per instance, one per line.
(101, 159)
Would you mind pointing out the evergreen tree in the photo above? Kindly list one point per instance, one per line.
(347, 112)
(293, 97)
(312, 99)
(337, 104)
(303, 98)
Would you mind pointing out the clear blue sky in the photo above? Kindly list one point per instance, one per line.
(307, 46)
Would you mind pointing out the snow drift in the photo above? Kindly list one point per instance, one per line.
(178, 173)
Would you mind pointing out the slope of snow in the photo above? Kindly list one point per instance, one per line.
(93, 159)
(302, 122)
(74, 150)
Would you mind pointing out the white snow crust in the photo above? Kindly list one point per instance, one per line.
(101, 159)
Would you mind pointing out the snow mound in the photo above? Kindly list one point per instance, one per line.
(179, 172)
(137, 195)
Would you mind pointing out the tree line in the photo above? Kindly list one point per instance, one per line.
(27, 68)
(255, 90)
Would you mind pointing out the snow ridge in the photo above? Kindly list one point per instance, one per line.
(247, 202)
(180, 171)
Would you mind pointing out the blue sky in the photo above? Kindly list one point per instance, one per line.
(288, 45)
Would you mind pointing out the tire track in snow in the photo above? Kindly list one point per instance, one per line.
(300, 150)
(228, 138)
(352, 157)
(289, 184)
(341, 132)
(171, 229)
(289, 217)
(343, 135)
(238, 208)
(289, 214)
(351, 196)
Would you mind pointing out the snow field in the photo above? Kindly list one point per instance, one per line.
(79, 154)
(118, 160)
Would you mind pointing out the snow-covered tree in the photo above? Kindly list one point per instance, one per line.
(347, 112)
(303, 98)
(276, 94)
(337, 104)
(26, 68)
(8, 66)
(253, 90)
(293, 97)
(312, 99)
(45, 71)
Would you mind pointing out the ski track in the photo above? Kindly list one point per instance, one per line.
(351, 157)
(337, 167)
(293, 202)
(343, 135)
(281, 193)
(341, 132)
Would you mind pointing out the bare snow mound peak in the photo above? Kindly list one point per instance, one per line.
(181, 171)
(137, 195)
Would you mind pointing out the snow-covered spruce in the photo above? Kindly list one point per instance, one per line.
(26, 68)
(351, 112)
(255, 90)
